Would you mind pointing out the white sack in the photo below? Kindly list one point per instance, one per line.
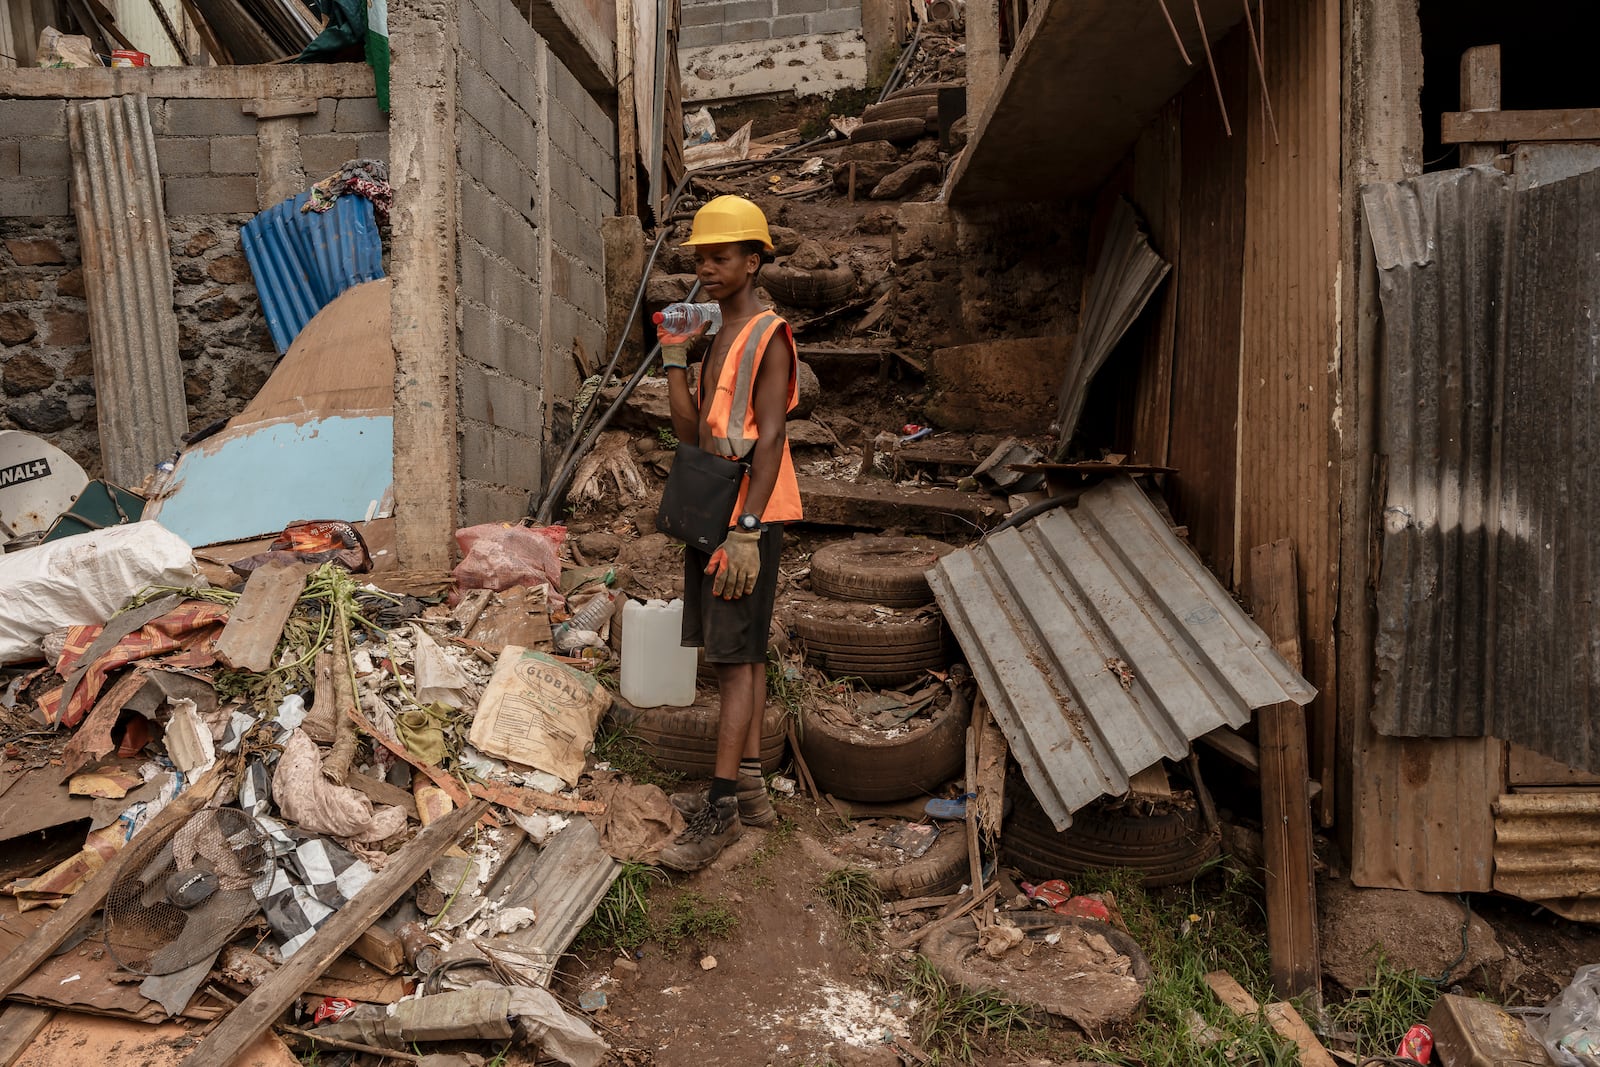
(84, 579)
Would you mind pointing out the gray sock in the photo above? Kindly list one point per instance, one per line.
(750, 768)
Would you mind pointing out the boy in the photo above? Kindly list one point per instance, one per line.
(747, 387)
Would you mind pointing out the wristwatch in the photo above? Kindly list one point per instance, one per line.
(749, 523)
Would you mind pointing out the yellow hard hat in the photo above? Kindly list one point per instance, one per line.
(729, 219)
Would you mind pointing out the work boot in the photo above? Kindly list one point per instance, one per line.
(755, 808)
(710, 830)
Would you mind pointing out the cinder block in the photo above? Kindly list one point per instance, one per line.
(234, 155)
(737, 32)
(702, 15)
(45, 155)
(324, 154)
(511, 295)
(748, 10)
(790, 26)
(498, 457)
(486, 102)
(835, 5)
(491, 340)
(497, 227)
(322, 121)
(563, 85)
(22, 197)
(208, 118)
(374, 146)
(496, 399)
(500, 172)
(578, 236)
(837, 21)
(801, 7)
(359, 115)
(33, 118)
(10, 159)
(480, 504)
(700, 36)
(210, 196)
(183, 155)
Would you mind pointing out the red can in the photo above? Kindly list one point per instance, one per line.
(126, 57)
(332, 1009)
(1417, 1044)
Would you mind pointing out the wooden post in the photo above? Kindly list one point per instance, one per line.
(1285, 789)
(627, 115)
(1480, 91)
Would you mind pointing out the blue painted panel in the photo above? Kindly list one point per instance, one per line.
(261, 479)
(301, 261)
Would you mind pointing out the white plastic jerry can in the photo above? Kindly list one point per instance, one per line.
(656, 669)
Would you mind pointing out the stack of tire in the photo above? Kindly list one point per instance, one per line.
(886, 650)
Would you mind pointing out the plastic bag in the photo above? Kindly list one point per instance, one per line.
(57, 49)
(1569, 1026)
(498, 556)
(699, 128)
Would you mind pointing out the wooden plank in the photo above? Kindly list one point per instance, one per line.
(1151, 782)
(974, 850)
(528, 801)
(1232, 994)
(627, 115)
(383, 792)
(87, 900)
(256, 622)
(252, 1018)
(1480, 91)
(1286, 1021)
(19, 1025)
(195, 83)
(1285, 800)
(1226, 741)
(1525, 767)
(277, 109)
(1560, 124)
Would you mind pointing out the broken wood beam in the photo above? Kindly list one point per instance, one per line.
(526, 801)
(19, 1025)
(1285, 794)
(256, 622)
(53, 933)
(382, 948)
(1500, 127)
(261, 1009)
(878, 506)
(1280, 1015)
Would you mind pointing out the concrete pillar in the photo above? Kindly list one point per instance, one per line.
(984, 61)
(424, 38)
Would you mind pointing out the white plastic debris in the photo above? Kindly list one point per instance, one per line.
(292, 712)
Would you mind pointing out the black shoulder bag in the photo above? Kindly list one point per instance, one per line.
(701, 493)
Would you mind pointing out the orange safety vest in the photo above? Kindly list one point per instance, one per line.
(732, 418)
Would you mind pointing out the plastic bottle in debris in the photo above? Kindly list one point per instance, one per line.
(591, 618)
(683, 319)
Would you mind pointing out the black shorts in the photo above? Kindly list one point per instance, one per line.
(731, 631)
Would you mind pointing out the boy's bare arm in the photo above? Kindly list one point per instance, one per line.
(771, 403)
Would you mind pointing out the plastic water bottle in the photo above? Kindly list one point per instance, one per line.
(683, 319)
(656, 669)
(591, 617)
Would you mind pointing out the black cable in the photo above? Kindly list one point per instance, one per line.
(1466, 925)
(1032, 511)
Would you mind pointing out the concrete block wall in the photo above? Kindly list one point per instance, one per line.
(217, 171)
(536, 172)
(708, 22)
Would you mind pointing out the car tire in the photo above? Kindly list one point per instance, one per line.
(887, 651)
(905, 107)
(895, 131)
(891, 571)
(1165, 847)
(864, 765)
(795, 287)
(684, 740)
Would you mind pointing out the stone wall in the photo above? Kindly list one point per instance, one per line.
(219, 165)
(535, 174)
(736, 48)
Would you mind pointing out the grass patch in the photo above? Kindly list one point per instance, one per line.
(777, 840)
(630, 754)
(1380, 1014)
(622, 921)
(850, 892)
(667, 438)
(695, 918)
(952, 1025)
(1186, 934)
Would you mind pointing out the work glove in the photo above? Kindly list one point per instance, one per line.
(675, 347)
(736, 564)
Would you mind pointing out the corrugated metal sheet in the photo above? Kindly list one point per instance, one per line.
(1289, 332)
(127, 275)
(1103, 646)
(1439, 243)
(1547, 849)
(1491, 549)
(302, 260)
(1209, 283)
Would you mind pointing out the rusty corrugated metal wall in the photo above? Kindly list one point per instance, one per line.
(1491, 549)
(127, 275)
(1289, 351)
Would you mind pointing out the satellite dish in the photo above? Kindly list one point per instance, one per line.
(38, 482)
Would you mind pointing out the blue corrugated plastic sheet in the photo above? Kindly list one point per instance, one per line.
(302, 260)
